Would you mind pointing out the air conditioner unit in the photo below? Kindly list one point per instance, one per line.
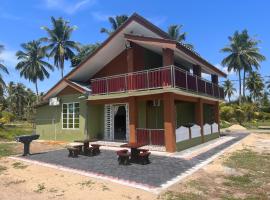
(55, 101)
(156, 102)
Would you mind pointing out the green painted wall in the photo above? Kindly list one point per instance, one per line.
(142, 114)
(95, 121)
(46, 127)
(195, 141)
(185, 113)
(155, 116)
(208, 114)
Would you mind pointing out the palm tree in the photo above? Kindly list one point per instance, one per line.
(3, 69)
(16, 98)
(255, 85)
(251, 52)
(175, 34)
(60, 44)
(268, 85)
(228, 89)
(234, 61)
(83, 53)
(31, 64)
(115, 22)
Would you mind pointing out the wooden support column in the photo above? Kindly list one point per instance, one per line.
(197, 70)
(132, 119)
(214, 78)
(130, 58)
(167, 57)
(216, 114)
(169, 122)
(199, 116)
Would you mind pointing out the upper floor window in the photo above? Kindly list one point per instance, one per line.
(71, 115)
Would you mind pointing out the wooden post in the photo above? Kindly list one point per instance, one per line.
(197, 70)
(216, 114)
(169, 122)
(130, 58)
(199, 116)
(167, 57)
(132, 119)
(214, 78)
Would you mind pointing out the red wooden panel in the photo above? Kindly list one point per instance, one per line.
(191, 82)
(116, 84)
(157, 137)
(180, 79)
(142, 136)
(99, 86)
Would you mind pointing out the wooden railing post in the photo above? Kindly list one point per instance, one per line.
(186, 81)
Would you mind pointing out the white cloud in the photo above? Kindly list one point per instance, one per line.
(206, 76)
(158, 20)
(224, 69)
(101, 17)
(8, 57)
(68, 6)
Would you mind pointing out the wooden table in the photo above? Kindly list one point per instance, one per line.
(86, 143)
(133, 150)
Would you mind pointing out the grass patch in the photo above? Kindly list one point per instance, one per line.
(180, 196)
(40, 188)
(105, 188)
(19, 165)
(2, 168)
(250, 160)
(9, 132)
(14, 182)
(88, 184)
(197, 185)
(238, 181)
(7, 149)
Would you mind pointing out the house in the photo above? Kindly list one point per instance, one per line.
(138, 86)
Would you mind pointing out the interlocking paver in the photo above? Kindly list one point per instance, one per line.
(161, 169)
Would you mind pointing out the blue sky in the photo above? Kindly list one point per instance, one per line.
(207, 22)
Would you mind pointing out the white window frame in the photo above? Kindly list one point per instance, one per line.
(73, 116)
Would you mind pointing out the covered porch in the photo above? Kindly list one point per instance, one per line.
(168, 119)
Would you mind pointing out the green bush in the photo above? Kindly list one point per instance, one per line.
(8, 116)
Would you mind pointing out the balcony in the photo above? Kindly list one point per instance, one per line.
(159, 78)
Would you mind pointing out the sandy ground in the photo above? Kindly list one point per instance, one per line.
(24, 181)
(211, 177)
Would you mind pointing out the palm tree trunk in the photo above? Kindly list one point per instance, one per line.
(229, 99)
(36, 88)
(244, 84)
(240, 87)
(62, 66)
(37, 91)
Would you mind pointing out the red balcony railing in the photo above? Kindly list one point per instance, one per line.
(155, 79)
(150, 136)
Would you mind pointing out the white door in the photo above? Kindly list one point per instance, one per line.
(111, 112)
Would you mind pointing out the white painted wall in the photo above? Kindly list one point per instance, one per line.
(195, 131)
(182, 133)
(207, 129)
(215, 127)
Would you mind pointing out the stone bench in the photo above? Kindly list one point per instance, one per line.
(73, 152)
(123, 157)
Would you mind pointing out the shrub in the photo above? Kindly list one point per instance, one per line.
(226, 113)
(7, 117)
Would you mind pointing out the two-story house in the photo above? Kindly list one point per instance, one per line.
(138, 86)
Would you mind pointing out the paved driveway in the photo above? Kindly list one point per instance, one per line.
(161, 169)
